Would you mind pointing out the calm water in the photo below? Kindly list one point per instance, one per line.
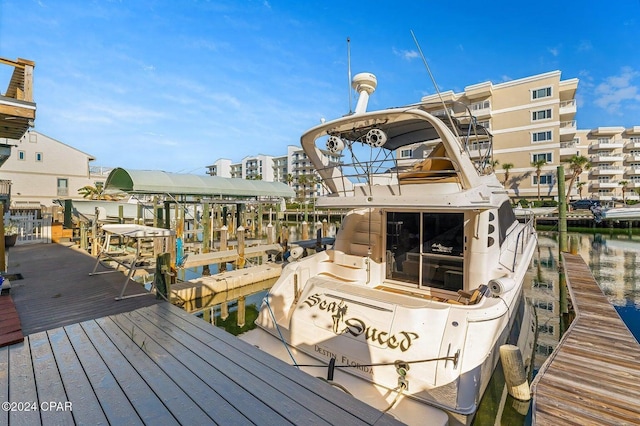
(613, 260)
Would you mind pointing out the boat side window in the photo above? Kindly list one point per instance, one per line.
(403, 246)
(426, 249)
(442, 250)
(506, 219)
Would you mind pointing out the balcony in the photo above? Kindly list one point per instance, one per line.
(607, 131)
(568, 149)
(618, 143)
(632, 171)
(632, 158)
(609, 158)
(605, 185)
(603, 196)
(567, 127)
(568, 108)
(607, 171)
(630, 145)
(633, 185)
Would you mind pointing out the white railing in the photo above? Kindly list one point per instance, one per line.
(32, 230)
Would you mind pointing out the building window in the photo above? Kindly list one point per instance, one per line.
(480, 105)
(38, 156)
(544, 179)
(545, 92)
(405, 153)
(21, 155)
(544, 114)
(541, 136)
(547, 156)
(546, 328)
(63, 187)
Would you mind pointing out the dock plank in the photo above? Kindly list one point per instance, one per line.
(4, 383)
(22, 387)
(213, 391)
(335, 407)
(146, 403)
(77, 385)
(593, 376)
(48, 382)
(111, 396)
(135, 347)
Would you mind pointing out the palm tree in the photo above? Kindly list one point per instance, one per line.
(538, 164)
(579, 186)
(623, 184)
(97, 193)
(506, 167)
(577, 164)
(289, 179)
(303, 180)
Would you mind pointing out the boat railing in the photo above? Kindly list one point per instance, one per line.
(388, 172)
(524, 234)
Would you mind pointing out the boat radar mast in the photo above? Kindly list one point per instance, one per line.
(365, 84)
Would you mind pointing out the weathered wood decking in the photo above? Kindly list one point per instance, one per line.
(593, 376)
(159, 365)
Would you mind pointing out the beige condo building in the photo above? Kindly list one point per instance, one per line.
(533, 119)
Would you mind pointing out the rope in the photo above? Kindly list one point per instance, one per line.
(273, 318)
(453, 358)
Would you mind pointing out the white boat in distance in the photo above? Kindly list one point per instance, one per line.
(424, 282)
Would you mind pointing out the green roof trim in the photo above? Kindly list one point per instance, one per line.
(159, 182)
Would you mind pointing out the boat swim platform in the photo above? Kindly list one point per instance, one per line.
(593, 376)
(206, 288)
(159, 365)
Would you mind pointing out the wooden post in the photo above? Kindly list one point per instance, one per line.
(94, 234)
(155, 210)
(325, 228)
(206, 241)
(121, 214)
(162, 277)
(68, 208)
(3, 261)
(224, 311)
(270, 233)
(240, 237)
(223, 247)
(562, 211)
(515, 375)
(240, 320)
(305, 231)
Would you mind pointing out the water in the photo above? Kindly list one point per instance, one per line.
(613, 260)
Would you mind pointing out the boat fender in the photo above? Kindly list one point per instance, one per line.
(501, 286)
(296, 253)
(335, 144)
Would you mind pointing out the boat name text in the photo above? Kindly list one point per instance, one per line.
(343, 359)
(357, 327)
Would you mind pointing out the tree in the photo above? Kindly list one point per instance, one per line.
(577, 164)
(506, 167)
(97, 193)
(623, 184)
(538, 164)
(289, 179)
(579, 186)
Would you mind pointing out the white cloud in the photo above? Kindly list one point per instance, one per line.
(616, 90)
(554, 51)
(405, 54)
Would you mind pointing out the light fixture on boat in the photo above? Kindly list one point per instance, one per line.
(502, 285)
(335, 144)
(376, 138)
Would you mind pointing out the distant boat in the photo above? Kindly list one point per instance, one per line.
(618, 213)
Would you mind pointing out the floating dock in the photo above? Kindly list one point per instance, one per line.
(593, 376)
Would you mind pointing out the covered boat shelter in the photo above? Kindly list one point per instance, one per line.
(189, 189)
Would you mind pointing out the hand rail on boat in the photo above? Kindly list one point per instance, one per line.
(522, 239)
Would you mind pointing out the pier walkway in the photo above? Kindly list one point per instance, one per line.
(593, 376)
(154, 365)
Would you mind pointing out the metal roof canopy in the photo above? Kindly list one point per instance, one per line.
(152, 182)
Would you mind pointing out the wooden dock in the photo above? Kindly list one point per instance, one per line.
(162, 366)
(593, 376)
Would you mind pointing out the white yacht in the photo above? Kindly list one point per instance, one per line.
(408, 310)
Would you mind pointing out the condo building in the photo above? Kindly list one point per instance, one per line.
(294, 168)
(534, 130)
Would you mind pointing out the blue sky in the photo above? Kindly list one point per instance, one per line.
(175, 85)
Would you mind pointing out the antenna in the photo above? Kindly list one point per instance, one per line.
(349, 70)
(433, 80)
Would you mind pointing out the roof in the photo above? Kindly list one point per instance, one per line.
(159, 182)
